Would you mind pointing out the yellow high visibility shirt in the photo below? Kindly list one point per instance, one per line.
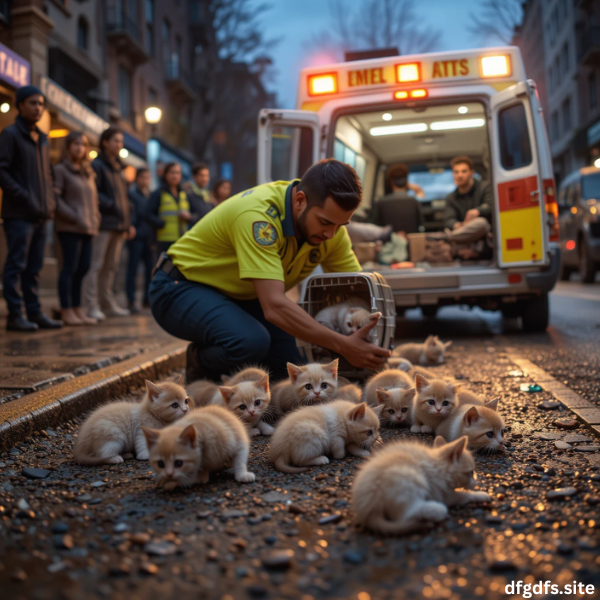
(252, 236)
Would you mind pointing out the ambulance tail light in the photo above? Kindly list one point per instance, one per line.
(323, 83)
(495, 66)
(408, 72)
(551, 209)
(410, 94)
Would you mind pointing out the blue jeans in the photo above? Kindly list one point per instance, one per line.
(228, 334)
(26, 245)
(139, 251)
(76, 257)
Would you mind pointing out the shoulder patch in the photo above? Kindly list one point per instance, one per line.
(273, 212)
(264, 233)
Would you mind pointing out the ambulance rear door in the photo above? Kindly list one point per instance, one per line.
(520, 216)
(288, 143)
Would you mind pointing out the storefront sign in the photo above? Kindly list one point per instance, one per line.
(14, 69)
(61, 99)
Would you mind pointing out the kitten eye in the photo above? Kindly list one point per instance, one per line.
(178, 463)
(431, 402)
(308, 386)
(257, 403)
(391, 411)
(174, 405)
(370, 432)
(490, 434)
(324, 385)
(445, 403)
(161, 464)
(404, 409)
(242, 407)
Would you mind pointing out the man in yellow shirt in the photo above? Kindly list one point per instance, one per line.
(222, 285)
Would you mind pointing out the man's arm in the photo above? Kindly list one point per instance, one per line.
(9, 185)
(287, 315)
(451, 215)
(485, 208)
(105, 202)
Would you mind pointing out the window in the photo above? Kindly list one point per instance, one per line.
(565, 58)
(195, 12)
(82, 33)
(291, 152)
(150, 27)
(554, 126)
(593, 90)
(566, 115)
(557, 71)
(177, 55)
(166, 40)
(350, 157)
(124, 93)
(515, 147)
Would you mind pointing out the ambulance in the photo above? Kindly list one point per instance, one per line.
(423, 110)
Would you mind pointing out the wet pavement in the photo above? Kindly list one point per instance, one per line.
(109, 533)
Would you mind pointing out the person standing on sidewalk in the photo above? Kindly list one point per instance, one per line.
(169, 209)
(221, 191)
(77, 222)
(140, 247)
(115, 228)
(27, 203)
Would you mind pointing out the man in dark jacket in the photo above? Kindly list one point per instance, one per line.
(27, 203)
(115, 228)
(140, 247)
(197, 192)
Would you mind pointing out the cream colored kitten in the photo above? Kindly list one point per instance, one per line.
(427, 373)
(407, 485)
(308, 435)
(347, 317)
(395, 362)
(480, 422)
(397, 406)
(208, 439)
(350, 392)
(308, 384)
(247, 374)
(116, 428)
(431, 351)
(435, 401)
(248, 398)
(386, 380)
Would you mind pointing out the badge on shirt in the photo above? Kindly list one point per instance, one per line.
(315, 255)
(264, 233)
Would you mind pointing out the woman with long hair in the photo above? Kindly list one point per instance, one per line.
(77, 221)
(221, 191)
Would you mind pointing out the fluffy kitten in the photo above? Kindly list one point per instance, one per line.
(116, 428)
(397, 406)
(305, 437)
(386, 380)
(245, 396)
(395, 362)
(208, 439)
(247, 374)
(435, 401)
(431, 351)
(347, 317)
(350, 392)
(427, 373)
(480, 422)
(407, 485)
(308, 384)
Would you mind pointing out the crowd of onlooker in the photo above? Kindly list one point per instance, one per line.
(95, 213)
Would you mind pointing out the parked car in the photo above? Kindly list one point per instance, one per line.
(579, 218)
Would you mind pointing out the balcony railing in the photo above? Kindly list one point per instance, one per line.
(176, 73)
(588, 50)
(119, 22)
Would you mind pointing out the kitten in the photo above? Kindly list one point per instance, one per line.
(407, 485)
(386, 380)
(245, 396)
(350, 392)
(395, 362)
(116, 428)
(208, 439)
(431, 351)
(397, 406)
(480, 422)
(347, 317)
(247, 374)
(305, 437)
(435, 401)
(308, 384)
(427, 373)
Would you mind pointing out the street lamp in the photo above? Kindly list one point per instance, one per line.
(153, 115)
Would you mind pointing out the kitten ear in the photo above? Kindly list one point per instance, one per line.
(439, 442)
(454, 387)
(382, 395)
(421, 382)
(227, 393)
(225, 379)
(263, 383)
(378, 410)
(358, 412)
(178, 379)
(430, 341)
(471, 416)
(189, 436)
(454, 450)
(493, 404)
(448, 344)
(151, 436)
(293, 371)
(332, 368)
(410, 394)
(153, 390)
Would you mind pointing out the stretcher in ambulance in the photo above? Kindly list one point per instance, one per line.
(423, 110)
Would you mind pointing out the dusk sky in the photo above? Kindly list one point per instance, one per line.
(298, 21)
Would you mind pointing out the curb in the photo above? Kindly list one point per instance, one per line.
(53, 406)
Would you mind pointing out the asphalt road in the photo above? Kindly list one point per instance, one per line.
(109, 533)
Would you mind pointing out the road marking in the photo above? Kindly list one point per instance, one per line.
(577, 295)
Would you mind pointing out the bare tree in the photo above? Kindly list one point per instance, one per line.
(495, 20)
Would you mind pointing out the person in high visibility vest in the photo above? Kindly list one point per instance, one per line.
(169, 208)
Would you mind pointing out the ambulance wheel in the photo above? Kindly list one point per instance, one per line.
(587, 267)
(535, 314)
(429, 310)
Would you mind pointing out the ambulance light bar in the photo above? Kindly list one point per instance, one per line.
(495, 66)
(323, 83)
(406, 94)
(408, 72)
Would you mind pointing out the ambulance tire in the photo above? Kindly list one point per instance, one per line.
(535, 314)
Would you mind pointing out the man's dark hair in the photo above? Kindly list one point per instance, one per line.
(200, 166)
(397, 175)
(140, 171)
(459, 160)
(330, 177)
(108, 134)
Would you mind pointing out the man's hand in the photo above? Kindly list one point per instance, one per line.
(361, 353)
(417, 189)
(472, 214)
(184, 215)
(457, 225)
(131, 233)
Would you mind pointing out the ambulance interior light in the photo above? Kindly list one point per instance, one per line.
(323, 83)
(495, 66)
(398, 129)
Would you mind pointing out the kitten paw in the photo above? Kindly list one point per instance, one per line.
(434, 511)
(426, 429)
(246, 477)
(169, 486)
(254, 432)
(320, 460)
(115, 460)
(202, 477)
(415, 429)
(266, 429)
(480, 497)
(143, 456)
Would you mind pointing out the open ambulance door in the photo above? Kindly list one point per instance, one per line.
(520, 226)
(288, 144)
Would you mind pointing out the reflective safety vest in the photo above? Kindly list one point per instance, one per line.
(168, 211)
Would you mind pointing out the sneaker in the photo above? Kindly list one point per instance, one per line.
(97, 314)
(117, 311)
